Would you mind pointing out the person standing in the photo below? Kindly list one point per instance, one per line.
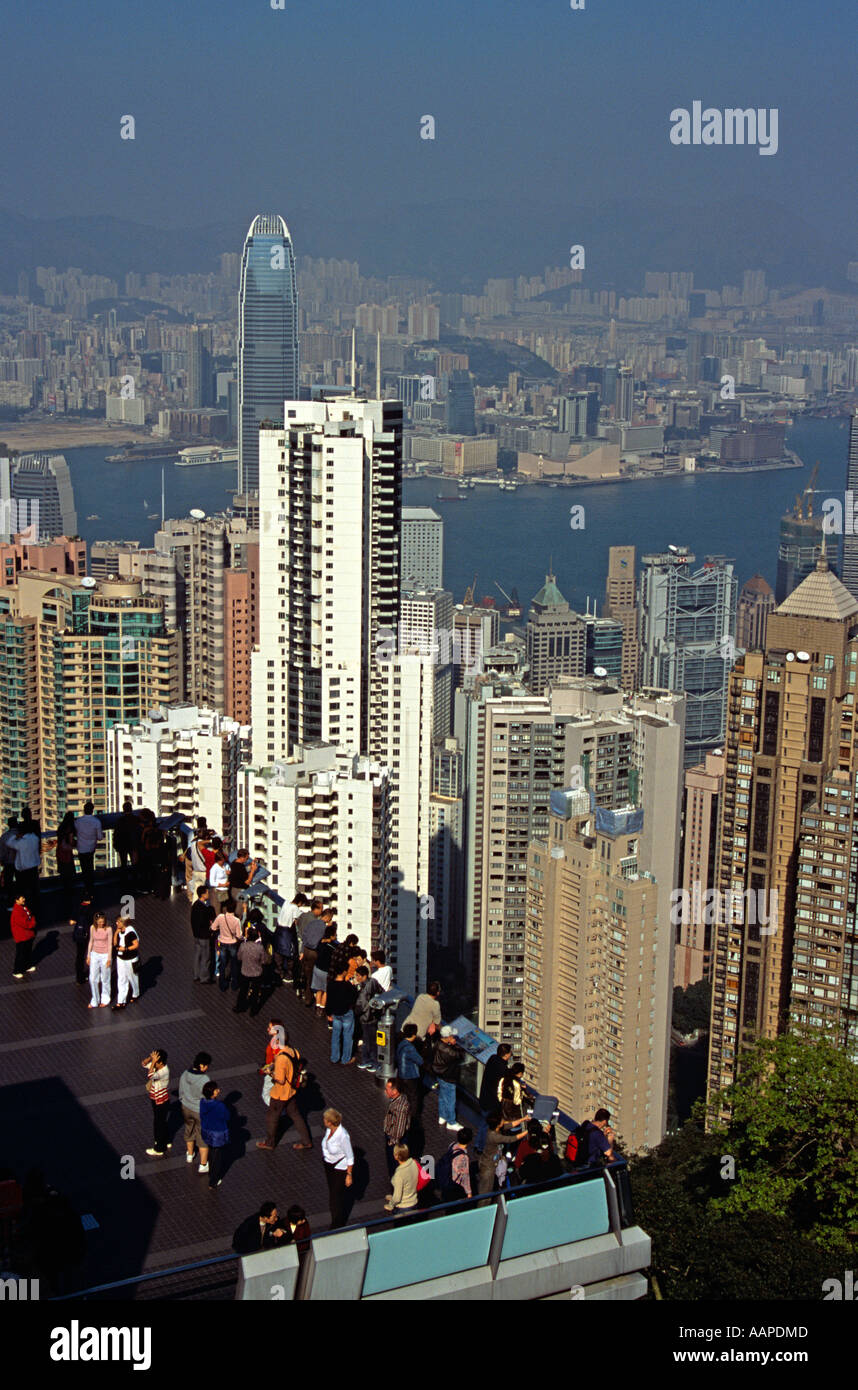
(341, 1007)
(493, 1074)
(202, 919)
(214, 1126)
(286, 936)
(409, 1068)
(381, 971)
(426, 1011)
(80, 925)
(191, 1084)
(28, 856)
(240, 875)
(65, 846)
(321, 969)
(446, 1060)
(23, 927)
(310, 928)
(229, 935)
(126, 842)
(403, 1198)
(286, 1078)
(88, 834)
(339, 1162)
(397, 1120)
(7, 858)
(158, 1091)
(219, 881)
(200, 859)
(126, 947)
(99, 957)
(251, 960)
(366, 1019)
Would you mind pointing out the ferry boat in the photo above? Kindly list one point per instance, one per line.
(208, 453)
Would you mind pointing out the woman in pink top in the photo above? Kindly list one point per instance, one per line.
(229, 937)
(99, 957)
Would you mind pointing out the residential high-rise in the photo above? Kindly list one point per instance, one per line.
(422, 547)
(695, 932)
(787, 940)
(181, 759)
(426, 628)
(756, 602)
(76, 658)
(593, 1036)
(556, 638)
(329, 572)
(687, 624)
(620, 603)
(849, 568)
(267, 338)
(446, 849)
(44, 480)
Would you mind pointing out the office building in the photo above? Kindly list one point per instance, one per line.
(422, 547)
(786, 944)
(687, 625)
(460, 404)
(43, 481)
(267, 338)
(199, 376)
(700, 867)
(756, 602)
(624, 395)
(604, 647)
(849, 569)
(621, 604)
(556, 638)
(800, 545)
(578, 414)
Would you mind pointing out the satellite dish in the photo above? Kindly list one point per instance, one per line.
(674, 549)
(803, 656)
(600, 670)
(718, 752)
(88, 582)
(198, 514)
(790, 656)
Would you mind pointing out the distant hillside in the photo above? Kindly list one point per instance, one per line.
(492, 362)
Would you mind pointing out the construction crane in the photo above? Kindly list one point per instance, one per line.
(504, 592)
(469, 594)
(803, 509)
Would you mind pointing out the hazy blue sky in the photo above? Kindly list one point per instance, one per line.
(240, 107)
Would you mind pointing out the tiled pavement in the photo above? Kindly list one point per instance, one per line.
(72, 1099)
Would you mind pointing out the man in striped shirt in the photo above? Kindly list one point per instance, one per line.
(397, 1121)
(158, 1091)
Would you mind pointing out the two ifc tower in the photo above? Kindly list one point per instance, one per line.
(267, 338)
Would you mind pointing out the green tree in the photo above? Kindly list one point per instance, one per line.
(793, 1131)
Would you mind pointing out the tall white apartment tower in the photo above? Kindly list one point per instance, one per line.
(330, 503)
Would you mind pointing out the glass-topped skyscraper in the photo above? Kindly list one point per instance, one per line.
(267, 338)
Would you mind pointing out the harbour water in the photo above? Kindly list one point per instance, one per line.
(511, 537)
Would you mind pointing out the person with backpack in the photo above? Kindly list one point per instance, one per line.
(286, 1079)
(453, 1169)
(542, 1163)
(126, 949)
(592, 1142)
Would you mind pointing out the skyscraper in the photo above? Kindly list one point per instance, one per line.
(422, 547)
(556, 638)
(267, 338)
(849, 569)
(756, 602)
(44, 480)
(460, 404)
(620, 599)
(687, 624)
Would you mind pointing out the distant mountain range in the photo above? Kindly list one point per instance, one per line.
(458, 244)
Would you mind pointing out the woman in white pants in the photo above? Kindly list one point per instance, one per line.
(127, 947)
(98, 958)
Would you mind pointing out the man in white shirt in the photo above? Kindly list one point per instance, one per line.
(88, 832)
(381, 971)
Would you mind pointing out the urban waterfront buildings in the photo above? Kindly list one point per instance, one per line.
(267, 337)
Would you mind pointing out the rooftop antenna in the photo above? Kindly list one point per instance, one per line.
(353, 361)
(378, 365)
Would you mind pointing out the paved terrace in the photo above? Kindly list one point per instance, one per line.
(72, 1099)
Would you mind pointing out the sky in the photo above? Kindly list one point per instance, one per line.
(318, 105)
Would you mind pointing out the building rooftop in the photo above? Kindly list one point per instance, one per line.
(820, 595)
